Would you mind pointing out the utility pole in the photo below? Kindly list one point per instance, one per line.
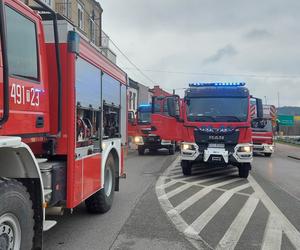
(266, 100)
(173, 91)
(278, 99)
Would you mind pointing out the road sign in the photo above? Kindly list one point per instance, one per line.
(286, 120)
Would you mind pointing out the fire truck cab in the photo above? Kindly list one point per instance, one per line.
(148, 139)
(63, 123)
(263, 127)
(213, 123)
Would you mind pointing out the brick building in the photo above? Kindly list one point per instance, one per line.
(157, 91)
(86, 15)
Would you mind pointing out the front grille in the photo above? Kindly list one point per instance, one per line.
(152, 139)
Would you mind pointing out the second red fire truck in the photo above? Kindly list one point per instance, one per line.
(214, 124)
(263, 128)
(145, 138)
(63, 123)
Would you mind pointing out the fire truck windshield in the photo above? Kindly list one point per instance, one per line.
(144, 117)
(217, 109)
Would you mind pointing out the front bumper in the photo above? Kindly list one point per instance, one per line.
(217, 154)
(263, 148)
(154, 142)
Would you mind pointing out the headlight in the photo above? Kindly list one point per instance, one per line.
(245, 149)
(185, 146)
(138, 139)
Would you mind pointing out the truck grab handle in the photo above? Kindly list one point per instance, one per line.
(5, 115)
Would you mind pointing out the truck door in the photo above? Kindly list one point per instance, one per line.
(27, 98)
(166, 117)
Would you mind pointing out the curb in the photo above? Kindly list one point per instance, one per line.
(294, 157)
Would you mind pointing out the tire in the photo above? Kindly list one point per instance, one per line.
(268, 154)
(244, 171)
(141, 150)
(16, 216)
(186, 167)
(172, 149)
(101, 201)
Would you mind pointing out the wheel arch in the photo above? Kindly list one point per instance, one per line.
(116, 158)
(19, 163)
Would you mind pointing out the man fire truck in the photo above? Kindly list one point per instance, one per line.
(262, 129)
(214, 124)
(63, 123)
(145, 138)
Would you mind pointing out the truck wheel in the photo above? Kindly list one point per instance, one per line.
(186, 167)
(268, 154)
(244, 171)
(101, 201)
(16, 216)
(141, 150)
(172, 149)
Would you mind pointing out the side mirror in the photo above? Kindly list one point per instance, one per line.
(171, 104)
(259, 107)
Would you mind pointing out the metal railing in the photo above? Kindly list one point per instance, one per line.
(289, 139)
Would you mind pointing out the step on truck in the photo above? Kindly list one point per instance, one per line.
(213, 123)
(63, 117)
(145, 137)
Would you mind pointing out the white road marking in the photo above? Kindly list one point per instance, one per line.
(175, 191)
(234, 232)
(277, 222)
(168, 184)
(273, 234)
(194, 198)
(291, 232)
(197, 226)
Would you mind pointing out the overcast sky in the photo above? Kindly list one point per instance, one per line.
(176, 42)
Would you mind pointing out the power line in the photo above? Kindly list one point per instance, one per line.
(130, 61)
(218, 74)
(122, 53)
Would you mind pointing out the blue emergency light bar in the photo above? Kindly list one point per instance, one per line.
(145, 107)
(218, 84)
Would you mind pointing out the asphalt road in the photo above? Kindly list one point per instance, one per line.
(136, 220)
(158, 208)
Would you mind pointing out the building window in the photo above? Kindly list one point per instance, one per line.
(80, 16)
(22, 56)
(92, 31)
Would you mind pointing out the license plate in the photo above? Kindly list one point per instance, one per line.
(216, 145)
(216, 158)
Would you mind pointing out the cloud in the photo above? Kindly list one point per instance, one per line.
(227, 51)
(257, 34)
(226, 39)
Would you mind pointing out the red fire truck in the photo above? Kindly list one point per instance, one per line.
(263, 128)
(145, 137)
(214, 124)
(63, 123)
